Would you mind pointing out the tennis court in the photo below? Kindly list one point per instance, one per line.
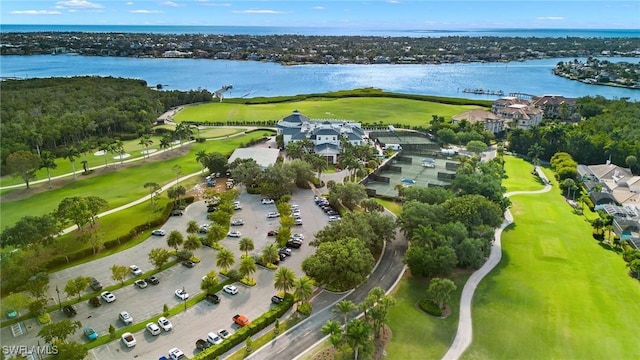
(421, 171)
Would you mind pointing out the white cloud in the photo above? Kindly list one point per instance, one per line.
(552, 18)
(146, 11)
(172, 4)
(35, 12)
(129, 3)
(78, 4)
(318, 8)
(259, 11)
(208, 3)
(393, 1)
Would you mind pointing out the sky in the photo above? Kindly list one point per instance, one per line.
(377, 14)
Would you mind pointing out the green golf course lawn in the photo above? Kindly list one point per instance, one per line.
(118, 186)
(556, 294)
(364, 110)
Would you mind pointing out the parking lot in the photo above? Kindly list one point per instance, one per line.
(197, 321)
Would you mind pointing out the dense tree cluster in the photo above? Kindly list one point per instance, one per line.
(55, 114)
(610, 129)
(453, 228)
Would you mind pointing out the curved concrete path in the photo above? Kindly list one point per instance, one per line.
(464, 335)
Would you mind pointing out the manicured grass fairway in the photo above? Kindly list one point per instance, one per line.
(365, 110)
(417, 335)
(519, 176)
(556, 294)
(118, 187)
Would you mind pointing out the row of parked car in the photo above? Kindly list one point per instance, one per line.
(323, 203)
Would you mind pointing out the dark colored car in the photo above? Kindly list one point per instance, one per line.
(212, 298)
(272, 233)
(95, 284)
(176, 213)
(276, 299)
(285, 251)
(69, 310)
(188, 264)
(295, 244)
(202, 344)
(95, 301)
(152, 280)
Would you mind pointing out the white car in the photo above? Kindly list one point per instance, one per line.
(182, 295)
(141, 284)
(214, 338)
(267, 201)
(298, 222)
(108, 296)
(159, 232)
(334, 218)
(177, 354)
(135, 270)
(272, 215)
(230, 289)
(295, 207)
(298, 236)
(128, 339)
(126, 318)
(224, 333)
(237, 222)
(234, 234)
(153, 329)
(165, 324)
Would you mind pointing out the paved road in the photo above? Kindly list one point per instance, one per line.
(464, 335)
(304, 336)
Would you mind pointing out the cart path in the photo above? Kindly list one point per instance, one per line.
(464, 335)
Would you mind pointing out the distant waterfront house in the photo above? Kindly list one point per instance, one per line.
(555, 106)
(521, 116)
(326, 135)
(491, 122)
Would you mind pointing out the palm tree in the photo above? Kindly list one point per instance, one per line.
(246, 245)
(48, 162)
(344, 307)
(192, 243)
(334, 330)
(175, 239)
(145, 141)
(400, 189)
(247, 267)
(118, 147)
(192, 227)
(284, 279)
(201, 157)
(72, 153)
(358, 335)
(270, 254)
(165, 142)
(534, 152)
(317, 162)
(225, 259)
(106, 148)
(183, 130)
(153, 188)
(302, 289)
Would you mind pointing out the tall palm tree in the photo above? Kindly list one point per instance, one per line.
(344, 307)
(535, 151)
(175, 239)
(146, 141)
(72, 153)
(334, 330)
(153, 188)
(201, 157)
(247, 267)
(284, 279)
(106, 149)
(302, 289)
(246, 245)
(358, 335)
(183, 130)
(270, 254)
(118, 147)
(48, 162)
(165, 142)
(225, 259)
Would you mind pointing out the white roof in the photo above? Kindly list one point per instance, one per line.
(263, 156)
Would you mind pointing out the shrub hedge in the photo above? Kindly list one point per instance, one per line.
(429, 307)
(242, 334)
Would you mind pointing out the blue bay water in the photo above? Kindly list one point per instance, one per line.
(253, 79)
